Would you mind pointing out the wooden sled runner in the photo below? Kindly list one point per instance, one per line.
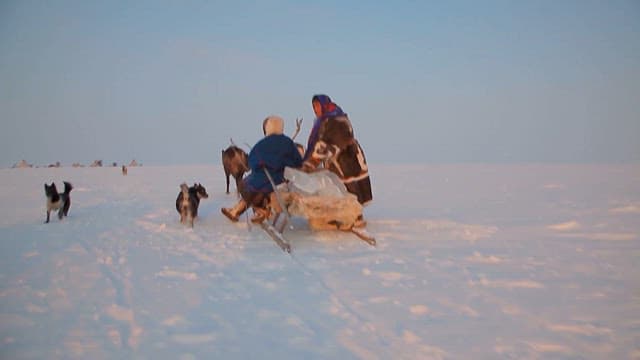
(321, 198)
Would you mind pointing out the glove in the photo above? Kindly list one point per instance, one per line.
(310, 165)
(320, 151)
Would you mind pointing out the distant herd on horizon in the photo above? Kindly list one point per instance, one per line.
(23, 164)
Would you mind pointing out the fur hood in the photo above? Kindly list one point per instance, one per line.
(273, 125)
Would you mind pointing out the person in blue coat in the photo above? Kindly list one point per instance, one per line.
(274, 152)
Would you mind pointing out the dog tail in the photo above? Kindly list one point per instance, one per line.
(67, 187)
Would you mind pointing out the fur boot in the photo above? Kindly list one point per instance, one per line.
(234, 213)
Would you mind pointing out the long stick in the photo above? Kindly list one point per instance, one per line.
(273, 229)
(278, 198)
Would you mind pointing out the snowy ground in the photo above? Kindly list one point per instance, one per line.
(473, 261)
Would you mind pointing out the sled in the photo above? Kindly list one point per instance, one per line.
(320, 198)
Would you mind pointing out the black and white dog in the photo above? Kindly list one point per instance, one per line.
(188, 201)
(58, 201)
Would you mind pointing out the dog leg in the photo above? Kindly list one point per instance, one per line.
(67, 205)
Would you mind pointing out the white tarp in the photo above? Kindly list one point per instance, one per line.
(322, 199)
(318, 183)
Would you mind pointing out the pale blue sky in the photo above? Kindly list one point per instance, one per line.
(169, 82)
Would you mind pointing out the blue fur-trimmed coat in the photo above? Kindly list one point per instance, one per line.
(273, 152)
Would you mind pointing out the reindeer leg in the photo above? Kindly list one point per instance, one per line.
(238, 184)
(48, 212)
(227, 175)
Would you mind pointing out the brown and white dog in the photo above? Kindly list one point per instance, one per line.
(58, 201)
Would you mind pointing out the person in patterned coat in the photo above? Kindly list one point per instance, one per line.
(332, 145)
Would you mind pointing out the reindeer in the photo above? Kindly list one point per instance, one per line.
(235, 163)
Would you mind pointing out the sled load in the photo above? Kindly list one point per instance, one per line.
(319, 197)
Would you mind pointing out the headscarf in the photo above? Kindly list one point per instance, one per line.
(328, 109)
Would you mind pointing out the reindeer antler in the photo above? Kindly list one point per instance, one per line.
(298, 125)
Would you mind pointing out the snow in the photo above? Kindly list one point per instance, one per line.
(473, 261)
